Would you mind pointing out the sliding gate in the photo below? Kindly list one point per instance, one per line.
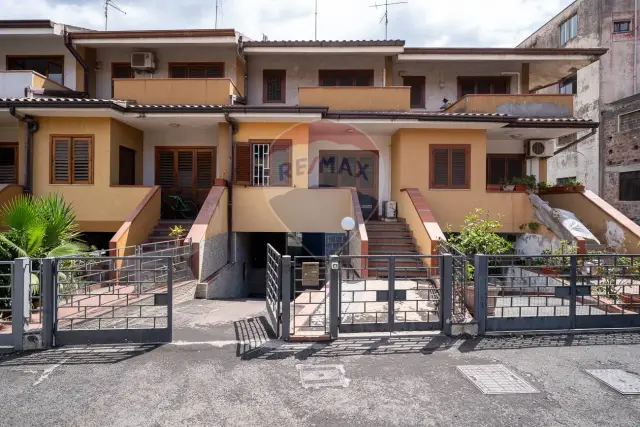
(274, 289)
(388, 293)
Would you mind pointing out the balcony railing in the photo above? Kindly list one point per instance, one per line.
(525, 105)
(357, 98)
(14, 83)
(175, 91)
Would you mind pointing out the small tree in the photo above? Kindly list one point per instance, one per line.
(478, 235)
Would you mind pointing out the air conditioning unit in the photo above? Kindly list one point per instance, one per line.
(540, 148)
(143, 61)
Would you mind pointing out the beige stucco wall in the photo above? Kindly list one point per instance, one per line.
(175, 91)
(357, 98)
(410, 168)
(98, 206)
(129, 137)
(276, 209)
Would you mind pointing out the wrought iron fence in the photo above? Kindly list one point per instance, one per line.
(96, 293)
(6, 279)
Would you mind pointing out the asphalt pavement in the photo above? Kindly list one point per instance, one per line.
(223, 370)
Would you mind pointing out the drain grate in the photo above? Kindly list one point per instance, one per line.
(317, 376)
(496, 379)
(619, 380)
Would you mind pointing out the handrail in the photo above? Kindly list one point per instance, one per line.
(124, 230)
(431, 226)
(362, 231)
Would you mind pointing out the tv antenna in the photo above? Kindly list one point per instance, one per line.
(107, 5)
(217, 6)
(316, 23)
(385, 17)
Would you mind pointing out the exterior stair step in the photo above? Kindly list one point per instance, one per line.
(403, 240)
(395, 252)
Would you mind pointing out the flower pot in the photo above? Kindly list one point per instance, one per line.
(494, 187)
(509, 188)
(520, 188)
(492, 298)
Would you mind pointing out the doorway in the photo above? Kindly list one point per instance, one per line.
(357, 169)
(127, 173)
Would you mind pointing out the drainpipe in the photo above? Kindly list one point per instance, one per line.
(30, 127)
(81, 61)
(233, 129)
(635, 48)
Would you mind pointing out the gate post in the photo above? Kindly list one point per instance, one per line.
(573, 294)
(170, 299)
(391, 306)
(446, 292)
(48, 299)
(285, 285)
(334, 296)
(20, 300)
(481, 263)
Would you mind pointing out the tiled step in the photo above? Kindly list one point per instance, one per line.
(396, 252)
(388, 247)
(402, 239)
(387, 228)
(400, 262)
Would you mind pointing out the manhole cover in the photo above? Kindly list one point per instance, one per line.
(316, 376)
(496, 379)
(619, 380)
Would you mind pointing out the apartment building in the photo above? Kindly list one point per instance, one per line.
(607, 160)
(255, 142)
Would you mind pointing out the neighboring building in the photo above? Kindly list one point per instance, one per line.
(305, 132)
(609, 24)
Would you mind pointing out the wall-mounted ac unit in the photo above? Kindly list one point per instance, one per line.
(540, 148)
(143, 61)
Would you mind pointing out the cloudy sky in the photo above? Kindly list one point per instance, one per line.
(499, 23)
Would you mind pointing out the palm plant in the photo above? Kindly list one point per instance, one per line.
(39, 227)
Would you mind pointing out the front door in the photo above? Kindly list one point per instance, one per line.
(127, 173)
(357, 169)
(188, 172)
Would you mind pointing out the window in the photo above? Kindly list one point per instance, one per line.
(483, 85)
(501, 169)
(346, 77)
(417, 85)
(8, 163)
(622, 26)
(197, 70)
(629, 186)
(568, 29)
(450, 166)
(263, 163)
(274, 86)
(569, 86)
(120, 70)
(629, 121)
(72, 160)
(51, 67)
(186, 171)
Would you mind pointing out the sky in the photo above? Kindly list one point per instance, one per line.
(436, 23)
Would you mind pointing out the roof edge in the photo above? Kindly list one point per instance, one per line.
(82, 35)
(504, 51)
(26, 23)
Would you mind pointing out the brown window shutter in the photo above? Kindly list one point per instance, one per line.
(205, 168)
(459, 173)
(165, 169)
(281, 168)
(60, 161)
(242, 163)
(81, 161)
(440, 165)
(8, 164)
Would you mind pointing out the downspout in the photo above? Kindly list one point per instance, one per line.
(233, 129)
(30, 127)
(81, 61)
(635, 48)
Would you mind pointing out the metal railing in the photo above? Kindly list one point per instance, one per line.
(310, 296)
(6, 280)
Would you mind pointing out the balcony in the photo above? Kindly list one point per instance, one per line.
(530, 105)
(175, 91)
(357, 98)
(13, 83)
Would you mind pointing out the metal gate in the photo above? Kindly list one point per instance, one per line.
(274, 289)
(557, 292)
(105, 300)
(310, 317)
(411, 293)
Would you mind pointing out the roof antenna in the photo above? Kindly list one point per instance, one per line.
(386, 5)
(316, 23)
(217, 5)
(107, 4)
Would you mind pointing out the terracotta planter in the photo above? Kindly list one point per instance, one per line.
(492, 298)
(520, 188)
(554, 272)
(563, 189)
(494, 187)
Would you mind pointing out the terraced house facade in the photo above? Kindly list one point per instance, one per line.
(245, 143)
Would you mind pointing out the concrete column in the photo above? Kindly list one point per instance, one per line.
(388, 71)
(524, 78)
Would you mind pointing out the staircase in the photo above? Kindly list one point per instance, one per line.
(393, 238)
(160, 234)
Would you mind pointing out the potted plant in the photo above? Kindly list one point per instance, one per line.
(530, 227)
(570, 186)
(524, 183)
(507, 187)
(557, 266)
